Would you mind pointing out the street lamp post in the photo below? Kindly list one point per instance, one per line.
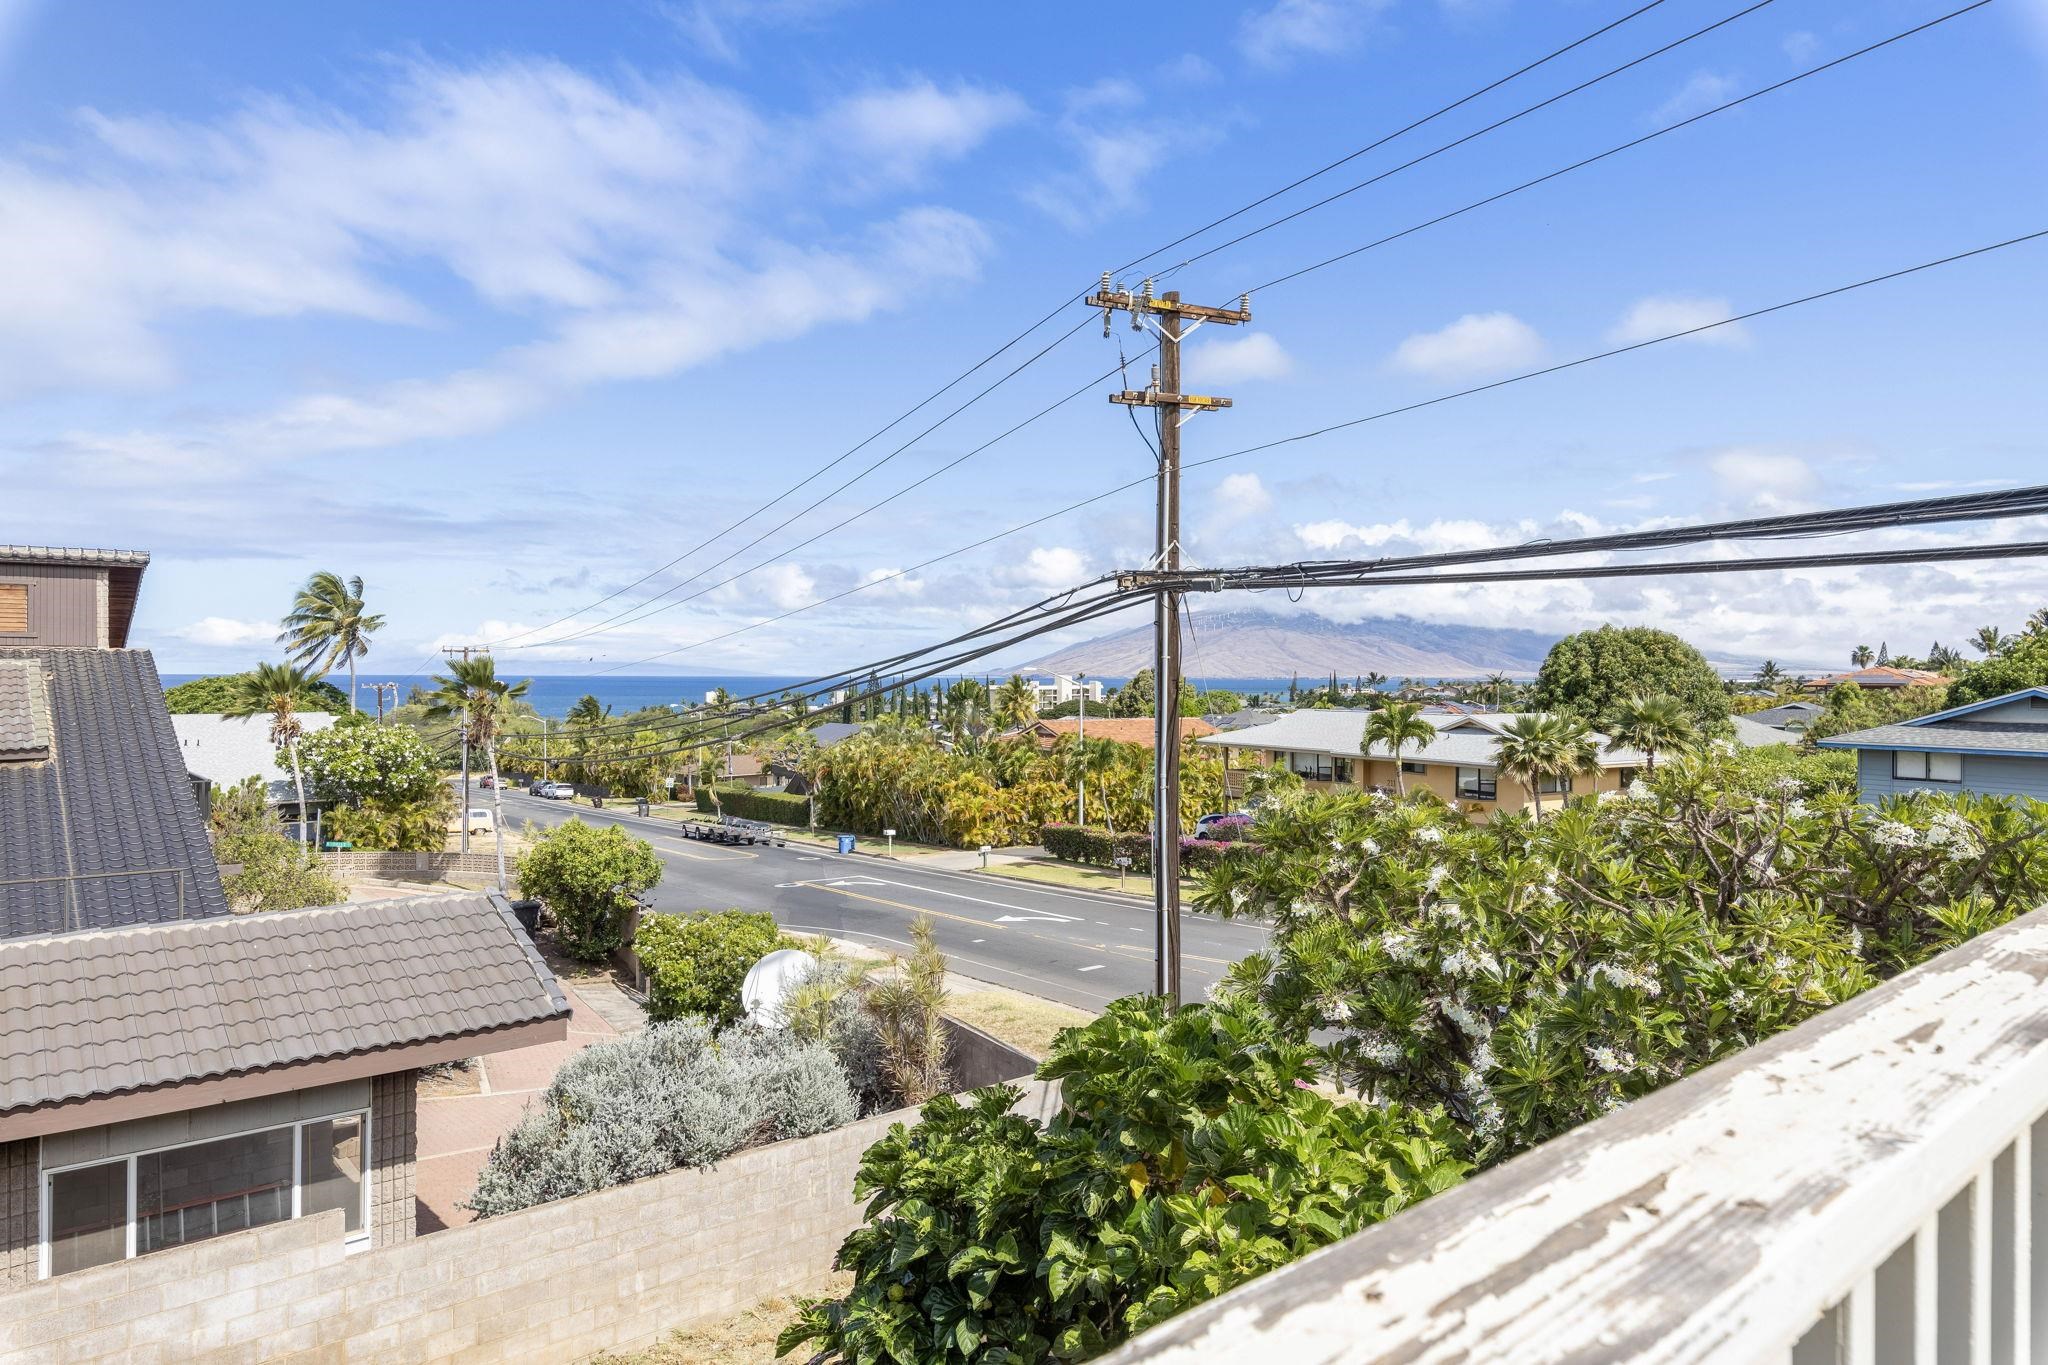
(1081, 742)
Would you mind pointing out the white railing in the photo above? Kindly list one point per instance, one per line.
(1861, 1189)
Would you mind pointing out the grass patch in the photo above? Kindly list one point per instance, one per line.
(1023, 1021)
(746, 1338)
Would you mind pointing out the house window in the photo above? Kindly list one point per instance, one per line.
(13, 608)
(1554, 786)
(174, 1196)
(1409, 765)
(1315, 767)
(1912, 767)
(1340, 769)
(1625, 778)
(1477, 784)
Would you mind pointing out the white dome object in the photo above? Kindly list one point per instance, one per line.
(769, 982)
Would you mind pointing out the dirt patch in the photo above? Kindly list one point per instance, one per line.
(1023, 1021)
(747, 1338)
(451, 1078)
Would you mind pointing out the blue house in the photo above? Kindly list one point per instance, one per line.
(1994, 748)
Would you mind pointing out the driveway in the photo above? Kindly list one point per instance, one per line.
(462, 1116)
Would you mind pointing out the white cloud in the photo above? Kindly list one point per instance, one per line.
(1702, 92)
(1050, 567)
(223, 632)
(1478, 343)
(1117, 149)
(785, 585)
(1664, 314)
(715, 26)
(1766, 479)
(881, 583)
(1237, 360)
(1800, 45)
(1238, 498)
(1274, 36)
(895, 133)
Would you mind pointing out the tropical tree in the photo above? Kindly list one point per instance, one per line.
(1861, 656)
(279, 691)
(1499, 682)
(1589, 675)
(1536, 747)
(704, 777)
(473, 694)
(1397, 725)
(1655, 725)
(327, 627)
(1989, 641)
(2037, 621)
(1770, 675)
(1015, 703)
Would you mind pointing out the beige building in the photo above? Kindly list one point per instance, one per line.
(1460, 765)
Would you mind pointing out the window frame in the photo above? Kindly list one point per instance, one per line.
(1485, 785)
(351, 1242)
(28, 608)
(1926, 773)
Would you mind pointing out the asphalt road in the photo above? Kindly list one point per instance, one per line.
(1079, 947)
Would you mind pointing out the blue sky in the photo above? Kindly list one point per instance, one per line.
(502, 307)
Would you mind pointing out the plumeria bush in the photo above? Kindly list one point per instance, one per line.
(1528, 976)
(1191, 1155)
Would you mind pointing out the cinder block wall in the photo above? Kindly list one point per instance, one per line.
(19, 1211)
(607, 1271)
(394, 1156)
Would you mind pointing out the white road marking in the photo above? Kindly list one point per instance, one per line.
(977, 940)
(860, 881)
(1049, 919)
(1096, 968)
(1000, 905)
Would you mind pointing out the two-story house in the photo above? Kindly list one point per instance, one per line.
(1997, 747)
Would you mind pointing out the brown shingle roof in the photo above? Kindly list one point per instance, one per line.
(109, 1012)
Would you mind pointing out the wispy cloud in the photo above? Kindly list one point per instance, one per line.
(1665, 314)
(1478, 343)
(1237, 360)
(1281, 32)
(1701, 92)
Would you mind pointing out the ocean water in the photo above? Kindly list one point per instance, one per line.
(554, 694)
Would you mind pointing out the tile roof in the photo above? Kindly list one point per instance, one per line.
(226, 749)
(1751, 735)
(1883, 675)
(1790, 713)
(114, 798)
(113, 1011)
(1123, 729)
(1466, 740)
(24, 712)
(1951, 737)
(72, 555)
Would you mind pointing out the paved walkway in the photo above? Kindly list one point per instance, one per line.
(457, 1131)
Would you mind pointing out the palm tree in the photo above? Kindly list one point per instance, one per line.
(1770, 675)
(1535, 748)
(1860, 656)
(474, 694)
(704, 777)
(279, 691)
(327, 626)
(1654, 724)
(1397, 725)
(1499, 682)
(1988, 640)
(2037, 622)
(1015, 703)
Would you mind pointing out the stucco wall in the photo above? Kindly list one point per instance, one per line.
(612, 1270)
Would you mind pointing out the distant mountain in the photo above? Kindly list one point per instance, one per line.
(1264, 644)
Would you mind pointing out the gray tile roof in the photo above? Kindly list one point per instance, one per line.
(1751, 735)
(24, 712)
(1790, 713)
(113, 798)
(1462, 740)
(834, 731)
(1947, 737)
(73, 555)
(113, 1011)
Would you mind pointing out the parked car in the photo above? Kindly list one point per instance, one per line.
(559, 791)
(538, 787)
(1208, 823)
(487, 782)
(479, 821)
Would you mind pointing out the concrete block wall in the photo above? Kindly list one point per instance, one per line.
(20, 1212)
(606, 1271)
(425, 865)
(394, 1156)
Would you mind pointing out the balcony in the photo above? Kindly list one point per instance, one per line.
(1860, 1189)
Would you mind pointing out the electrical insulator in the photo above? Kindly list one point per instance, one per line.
(1136, 325)
(1155, 379)
(1106, 309)
(1244, 304)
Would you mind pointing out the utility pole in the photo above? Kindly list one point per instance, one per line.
(451, 651)
(379, 688)
(1171, 321)
(1081, 743)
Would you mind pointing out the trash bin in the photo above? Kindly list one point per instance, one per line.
(643, 805)
(846, 843)
(528, 914)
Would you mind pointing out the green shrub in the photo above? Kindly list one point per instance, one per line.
(412, 827)
(588, 876)
(777, 808)
(1817, 771)
(1189, 1158)
(670, 1096)
(696, 963)
(1097, 847)
(276, 873)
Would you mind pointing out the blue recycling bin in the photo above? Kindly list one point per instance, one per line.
(846, 843)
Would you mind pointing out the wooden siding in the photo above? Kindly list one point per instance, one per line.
(2019, 711)
(2019, 776)
(65, 605)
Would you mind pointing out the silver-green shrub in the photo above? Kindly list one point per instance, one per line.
(674, 1095)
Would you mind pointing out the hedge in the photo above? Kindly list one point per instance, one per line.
(1081, 844)
(696, 963)
(777, 808)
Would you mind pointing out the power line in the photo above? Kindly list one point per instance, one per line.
(599, 627)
